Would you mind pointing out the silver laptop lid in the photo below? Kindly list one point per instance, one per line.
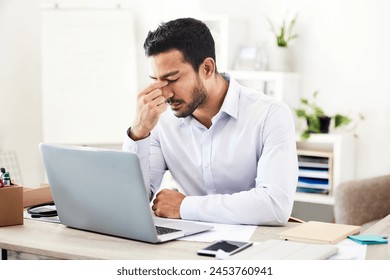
(91, 191)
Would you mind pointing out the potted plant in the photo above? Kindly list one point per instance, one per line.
(316, 119)
(284, 35)
(279, 56)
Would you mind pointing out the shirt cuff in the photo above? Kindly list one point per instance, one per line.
(189, 208)
(140, 147)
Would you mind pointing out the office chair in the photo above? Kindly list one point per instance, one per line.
(362, 202)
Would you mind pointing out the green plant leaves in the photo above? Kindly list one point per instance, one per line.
(301, 113)
(313, 123)
(304, 101)
(285, 34)
(305, 135)
(341, 120)
(313, 113)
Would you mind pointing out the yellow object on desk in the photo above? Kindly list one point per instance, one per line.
(319, 232)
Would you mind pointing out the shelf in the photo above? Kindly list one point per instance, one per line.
(283, 86)
(306, 152)
(229, 34)
(339, 149)
(263, 75)
(323, 141)
(314, 198)
(315, 172)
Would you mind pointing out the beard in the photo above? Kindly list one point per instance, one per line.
(199, 94)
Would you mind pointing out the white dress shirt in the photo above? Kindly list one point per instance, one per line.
(242, 170)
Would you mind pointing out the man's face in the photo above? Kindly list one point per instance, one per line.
(185, 91)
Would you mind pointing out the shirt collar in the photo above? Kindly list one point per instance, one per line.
(230, 103)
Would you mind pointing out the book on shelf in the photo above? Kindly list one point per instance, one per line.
(313, 161)
(312, 190)
(313, 183)
(322, 173)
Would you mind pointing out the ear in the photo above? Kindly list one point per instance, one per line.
(207, 68)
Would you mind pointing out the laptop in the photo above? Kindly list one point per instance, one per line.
(103, 191)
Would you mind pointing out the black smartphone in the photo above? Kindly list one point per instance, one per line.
(230, 247)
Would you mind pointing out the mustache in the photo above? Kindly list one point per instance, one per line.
(172, 100)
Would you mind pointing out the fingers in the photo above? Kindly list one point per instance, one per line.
(150, 105)
(152, 95)
(157, 211)
(155, 98)
(153, 86)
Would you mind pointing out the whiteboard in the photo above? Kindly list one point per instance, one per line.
(89, 76)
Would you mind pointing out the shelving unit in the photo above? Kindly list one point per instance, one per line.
(338, 150)
(315, 172)
(281, 85)
(229, 34)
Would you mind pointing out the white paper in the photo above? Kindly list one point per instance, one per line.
(223, 232)
(350, 250)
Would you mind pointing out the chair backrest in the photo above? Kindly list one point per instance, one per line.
(361, 201)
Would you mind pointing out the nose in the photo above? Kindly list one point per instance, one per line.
(167, 92)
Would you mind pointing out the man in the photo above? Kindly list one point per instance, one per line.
(231, 149)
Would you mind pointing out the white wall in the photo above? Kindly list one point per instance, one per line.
(342, 51)
(20, 99)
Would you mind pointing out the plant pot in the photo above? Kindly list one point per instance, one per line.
(324, 124)
(280, 59)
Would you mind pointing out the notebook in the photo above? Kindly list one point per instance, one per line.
(319, 232)
(286, 250)
(103, 191)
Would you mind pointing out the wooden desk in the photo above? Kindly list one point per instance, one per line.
(60, 242)
(379, 252)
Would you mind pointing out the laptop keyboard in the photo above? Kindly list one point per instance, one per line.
(165, 230)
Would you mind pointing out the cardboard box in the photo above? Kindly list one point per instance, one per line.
(37, 196)
(11, 206)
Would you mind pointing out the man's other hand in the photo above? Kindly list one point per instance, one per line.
(167, 204)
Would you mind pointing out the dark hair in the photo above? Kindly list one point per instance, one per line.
(190, 36)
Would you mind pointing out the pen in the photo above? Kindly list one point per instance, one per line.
(384, 236)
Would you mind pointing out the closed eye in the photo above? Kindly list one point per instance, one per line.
(165, 79)
(171, 81)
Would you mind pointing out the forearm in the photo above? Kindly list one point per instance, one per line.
(141, 148)
(258, 206)
(151, 160)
